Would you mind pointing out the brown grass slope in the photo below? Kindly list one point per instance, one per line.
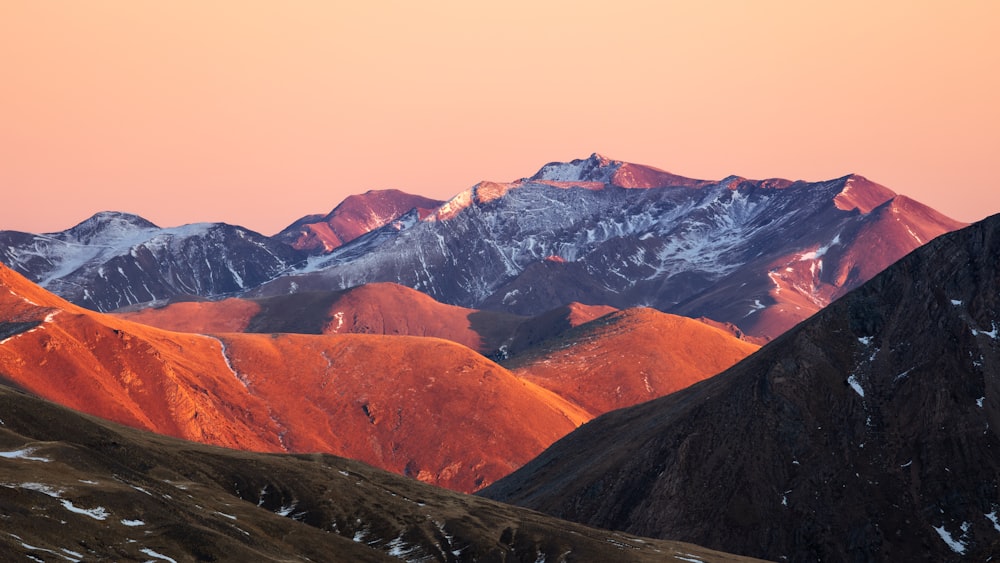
(73, 487)
(867, 433)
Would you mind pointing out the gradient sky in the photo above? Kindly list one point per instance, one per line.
(257, 113)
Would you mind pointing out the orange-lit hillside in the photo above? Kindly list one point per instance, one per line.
(629, 357)
(430, 408)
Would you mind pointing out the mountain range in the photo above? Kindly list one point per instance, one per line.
(761, 255)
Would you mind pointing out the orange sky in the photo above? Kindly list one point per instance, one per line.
(257, 113)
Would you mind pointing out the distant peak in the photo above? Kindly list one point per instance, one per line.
(858, 192)
(596, 168)
(112, 223)
(109, 217)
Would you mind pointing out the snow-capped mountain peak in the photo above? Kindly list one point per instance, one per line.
(596, 168)
(107, 227)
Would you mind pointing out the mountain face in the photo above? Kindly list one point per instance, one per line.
(113, 260)
(867, 433)
(355, 216)
(761, 255)
(428, 408)
(76, 488)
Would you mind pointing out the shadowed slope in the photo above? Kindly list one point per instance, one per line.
(377, 308)
(865, 433)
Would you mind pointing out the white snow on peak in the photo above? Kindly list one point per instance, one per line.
(856, 385)
(593, 169)
(955, 545)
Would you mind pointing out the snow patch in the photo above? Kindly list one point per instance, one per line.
(992, 333)
(225, 358)
(398, 548)
(955, 545)
(76, 557)
(24, 453)
(98, 513)
(979, 402)
(156, 555)
(44, 489)
(865, 340)
(757, 306)
(993, 518)
(821, 251)
(132, 523)
(856, 385)
(956, 302)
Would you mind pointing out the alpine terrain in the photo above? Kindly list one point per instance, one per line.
(77, 488)
(759, 254)
(417, 405)
(113, 260)
(867, 433)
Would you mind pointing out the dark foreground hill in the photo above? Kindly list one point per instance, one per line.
(75, 488)
(867, 433)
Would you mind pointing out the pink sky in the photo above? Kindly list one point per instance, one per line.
(257, 113)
